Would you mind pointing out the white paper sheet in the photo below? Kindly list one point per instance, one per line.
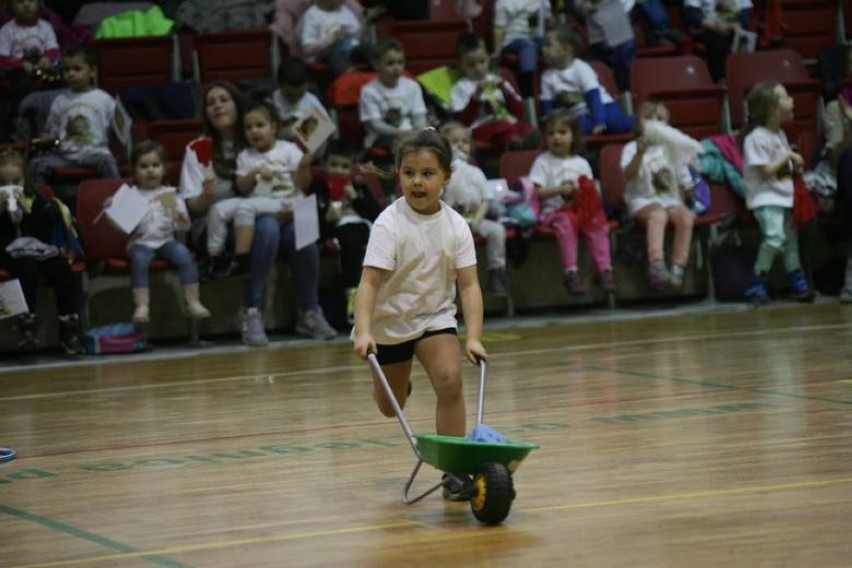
(12, 301)
(313, 129)
(306, 221)
(127, 209)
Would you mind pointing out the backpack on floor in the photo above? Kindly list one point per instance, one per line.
(114, 339)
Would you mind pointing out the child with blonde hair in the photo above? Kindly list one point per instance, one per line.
(769, 164)
(467, 193)
(654, 196)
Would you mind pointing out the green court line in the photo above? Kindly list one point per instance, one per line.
(85, 535)
(711, 384)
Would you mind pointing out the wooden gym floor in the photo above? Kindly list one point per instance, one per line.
(712, 438)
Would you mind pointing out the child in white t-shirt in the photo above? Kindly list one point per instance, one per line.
(466, 193)
(390, 106)
(571, 83)
(29, 53)
(769, 165)
(291, 99)
(519, 27)
(570, 203)
(328, 31)
(653, 194)
(271, 173)
(420, 249)
(155, 236)
(486, 102)
(79, 119)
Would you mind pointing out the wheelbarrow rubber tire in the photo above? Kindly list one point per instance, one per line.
(494, 493)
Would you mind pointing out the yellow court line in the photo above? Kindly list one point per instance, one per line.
(400, 524)
(694, 495)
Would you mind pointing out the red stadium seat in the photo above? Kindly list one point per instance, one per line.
(809, 25)
(745, 70)
(683, 83)
(125, 62)
(233, 55)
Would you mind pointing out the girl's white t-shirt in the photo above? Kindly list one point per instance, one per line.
(763, 146)
(655, 183)
(551, 171)
(579, 77)
(399, 103)
(282, 159)
(422, 254)
(514, 17)
(159, 224)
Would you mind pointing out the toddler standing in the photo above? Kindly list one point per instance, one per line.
(769, 165)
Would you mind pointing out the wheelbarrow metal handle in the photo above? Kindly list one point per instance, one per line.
(480, 403)
(377, 369)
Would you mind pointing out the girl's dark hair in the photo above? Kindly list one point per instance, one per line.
(224, 165)
(10, 3)
(148, 147)
(292, 72)
(257, 105)
(760, 103)
(562, 116)
(467, 43)
(427, 140)
(86, 52)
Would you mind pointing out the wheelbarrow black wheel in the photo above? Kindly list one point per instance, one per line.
(493, 493)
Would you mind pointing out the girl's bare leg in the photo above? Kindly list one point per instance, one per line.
(397, 375)
(440, 356)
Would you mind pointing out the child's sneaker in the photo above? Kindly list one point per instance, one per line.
(607, 281)
(802, 291)
(573, 283)
(69, 334)
(251, 327)
(455, 490)
(313, 324)
(658, 275)
(677, 276)
(497, 281)
(27, 331)
(756, 291)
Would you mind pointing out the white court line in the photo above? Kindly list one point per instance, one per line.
(523, 352)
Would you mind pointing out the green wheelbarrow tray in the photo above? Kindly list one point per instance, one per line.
(462, 456)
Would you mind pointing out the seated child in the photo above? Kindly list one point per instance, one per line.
(713, 24)
(291, 99)
(80, 119)
(28, 52)
(465, 192)
(610, 36)
(653, 193)
(571, 83)
(26, 214)
(155, 236)
(391, 106)
(271, 173)
(329, 30)
(570, 203)
(346, 212)
(487, 103)
(519, 27)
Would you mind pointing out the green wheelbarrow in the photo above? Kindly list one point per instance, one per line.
(491, 464)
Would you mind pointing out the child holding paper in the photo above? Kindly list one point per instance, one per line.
(154, 236)
(271, 174)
